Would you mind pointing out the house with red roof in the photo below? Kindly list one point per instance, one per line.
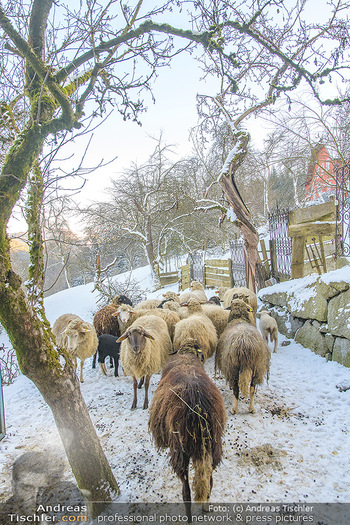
(320, 182)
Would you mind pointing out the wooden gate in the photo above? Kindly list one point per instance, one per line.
(218, 272)
(186, 276)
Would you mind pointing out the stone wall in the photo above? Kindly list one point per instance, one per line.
(315, 312)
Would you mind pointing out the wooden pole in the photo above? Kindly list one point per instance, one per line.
(298, 254)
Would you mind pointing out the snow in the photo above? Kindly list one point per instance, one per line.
(295, 448)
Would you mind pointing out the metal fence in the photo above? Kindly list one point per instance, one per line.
(343, 216)
(238, 262)
(196, 261)
(280, 244)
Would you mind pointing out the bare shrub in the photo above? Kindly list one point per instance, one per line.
(8, 365)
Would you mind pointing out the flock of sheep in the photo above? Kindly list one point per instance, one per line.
(177, 335)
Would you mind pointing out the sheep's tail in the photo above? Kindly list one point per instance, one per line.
(244, 381)
(202, 481)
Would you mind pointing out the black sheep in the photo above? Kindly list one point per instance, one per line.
(107, 345)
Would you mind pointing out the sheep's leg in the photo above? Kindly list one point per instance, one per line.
(116, 365)
(134, 402)
(103, 368)
(202, 481)
(235, 389)
(251, 400)
(94, 360)
(145, 405)
(216, 364)
(276, 343)
(186, 494)
(142, 380)
(81, 370)
(111, 362)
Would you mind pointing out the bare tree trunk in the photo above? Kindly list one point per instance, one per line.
(250, 234)
(39, 361)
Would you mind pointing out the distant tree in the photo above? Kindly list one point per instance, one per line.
(156, 206)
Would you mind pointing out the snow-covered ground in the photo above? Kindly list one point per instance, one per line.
(295, 448)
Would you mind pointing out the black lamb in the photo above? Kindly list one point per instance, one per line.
(107, 345)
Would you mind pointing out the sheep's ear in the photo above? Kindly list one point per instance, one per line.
(148, 335)
(122, 337)
(197, 345)
(115, 314)
(85, 330)
(249, 308)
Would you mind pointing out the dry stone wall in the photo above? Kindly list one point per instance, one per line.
(315, 311)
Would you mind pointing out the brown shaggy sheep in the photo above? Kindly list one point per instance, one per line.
(242, 355)
(188, 416)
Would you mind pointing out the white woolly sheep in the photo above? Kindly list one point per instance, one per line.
(78, 337)
(148, 304)
(196, 292)
(248, 297)
(240, 293)
(127, 315)
(145, 349)
(217, 315)
(242, 355)
(197, 326)
(268, 326)
(172, 295)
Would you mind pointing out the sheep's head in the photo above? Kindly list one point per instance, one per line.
(193, 305)
(241, 295)
(137, 337)
(196, 285)
(75, 332)
(214, 300)
(240, 310)
(221, 291)
(191, 346)
(124, 313)
(171, 296)
(171, 305)
(263, 312)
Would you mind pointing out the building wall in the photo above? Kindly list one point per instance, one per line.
(322, 180)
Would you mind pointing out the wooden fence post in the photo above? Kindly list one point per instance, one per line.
(298, 255)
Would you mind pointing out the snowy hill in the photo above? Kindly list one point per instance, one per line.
(295, 448)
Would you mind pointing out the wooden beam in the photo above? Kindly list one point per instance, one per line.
(312, 229)
(266, 259)
(318, 212)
